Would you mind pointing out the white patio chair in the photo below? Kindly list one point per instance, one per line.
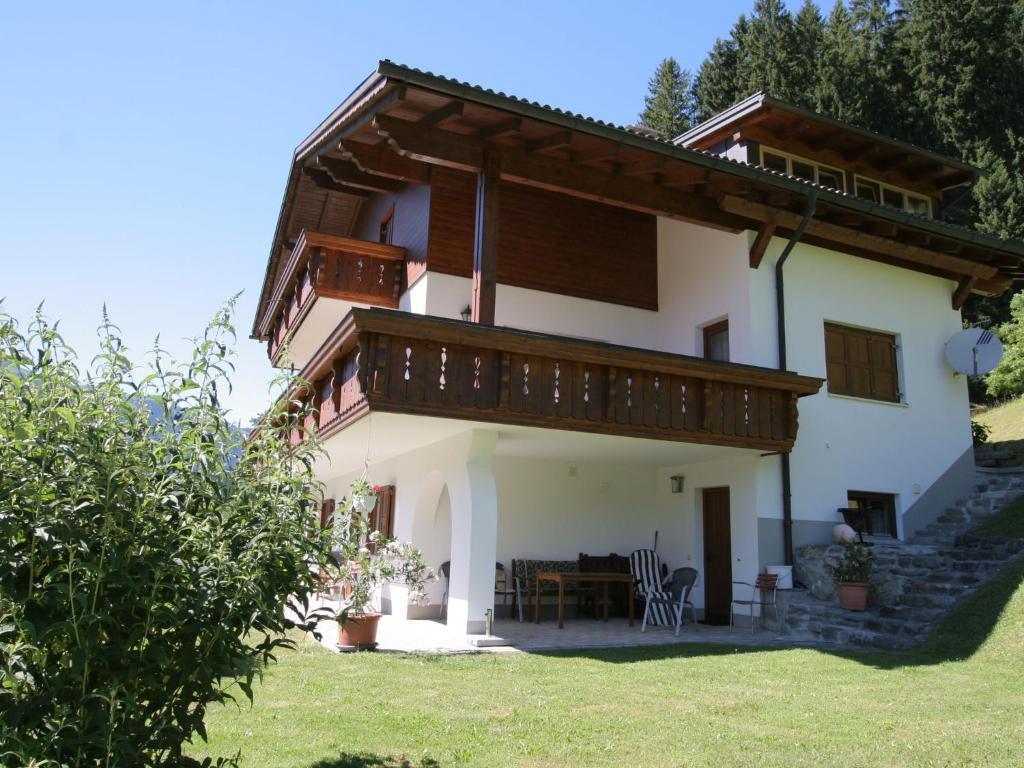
(682, 584)
(645, 565)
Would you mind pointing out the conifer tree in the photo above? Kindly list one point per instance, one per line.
(667, 107)
(767, 50)
(808, 30)
(716, 85)
(840, 85)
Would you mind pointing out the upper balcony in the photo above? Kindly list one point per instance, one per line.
(331, 267)
(377, 360)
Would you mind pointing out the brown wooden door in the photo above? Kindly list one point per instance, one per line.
(717, 556)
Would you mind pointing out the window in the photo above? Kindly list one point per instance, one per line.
(831, 177)
(382, 516)
(894, 196)
(774, 162)
(716, 341)
(877, 511)
(385, 227)
(327, 513)
(867, 189)
(802, 168)
(861, 363)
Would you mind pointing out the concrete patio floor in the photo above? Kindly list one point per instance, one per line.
(432, 636)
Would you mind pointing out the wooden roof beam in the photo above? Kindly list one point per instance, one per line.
(325, 181)
(450, 111)
(345, 172)
(963, 290)
(501, 128)
(522, 167)
(857, 239)
(760, 244)
(557, 140)
(384, 162)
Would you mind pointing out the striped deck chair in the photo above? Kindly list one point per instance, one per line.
(645, 565)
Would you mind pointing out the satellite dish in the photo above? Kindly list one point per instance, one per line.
(974, 351)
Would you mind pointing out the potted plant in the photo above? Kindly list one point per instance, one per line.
(852, 575)
(362, 561)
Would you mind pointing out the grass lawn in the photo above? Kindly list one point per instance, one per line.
(1008, 522)
(1006, 421)
(956, 700)
(1006, 425)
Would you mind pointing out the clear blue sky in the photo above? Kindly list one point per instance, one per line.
(144, 146)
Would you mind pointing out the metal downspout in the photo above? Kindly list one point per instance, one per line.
(780, 306)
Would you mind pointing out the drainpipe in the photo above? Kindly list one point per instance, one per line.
(780, 306)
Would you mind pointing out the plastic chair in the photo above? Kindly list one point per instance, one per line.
(504, 588)
(646, 568)
(682, 584)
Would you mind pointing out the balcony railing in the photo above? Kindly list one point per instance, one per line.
(333, 267)
(379, 360)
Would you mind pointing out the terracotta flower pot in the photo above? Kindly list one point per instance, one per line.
(853, 595)
(359, 630)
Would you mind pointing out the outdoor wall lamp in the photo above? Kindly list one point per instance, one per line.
(466, 313)
(677, 483)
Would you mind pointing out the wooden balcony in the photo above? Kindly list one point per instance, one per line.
(397, 362)
(333, 267)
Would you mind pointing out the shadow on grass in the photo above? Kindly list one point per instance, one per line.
(368, 760)
(956, 638)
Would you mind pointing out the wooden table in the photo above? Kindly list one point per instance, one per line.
(597, 578)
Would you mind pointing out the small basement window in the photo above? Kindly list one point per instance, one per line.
(877, 511)
(861, 363)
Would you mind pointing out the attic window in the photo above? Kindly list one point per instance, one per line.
(868, 190)
(774, 162)
(894, 196)
(803, 168)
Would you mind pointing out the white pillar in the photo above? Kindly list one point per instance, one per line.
(474, 500)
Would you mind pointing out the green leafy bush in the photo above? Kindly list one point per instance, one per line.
(1007, 379)
(151, 560)
(855, 567)
(979, 432)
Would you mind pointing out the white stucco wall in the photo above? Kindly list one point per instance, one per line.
(850, 444)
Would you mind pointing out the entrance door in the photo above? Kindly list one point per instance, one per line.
(717, 556)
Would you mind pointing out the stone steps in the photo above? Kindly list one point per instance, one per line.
(918, 581)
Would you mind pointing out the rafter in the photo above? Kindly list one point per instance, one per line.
(346, 172)
(760, 244)
(501, 128)
(556, 140)
(450, 111)
(857, 239)
(325, 181)
(466, 153)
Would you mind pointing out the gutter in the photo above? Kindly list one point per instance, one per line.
(780, 306)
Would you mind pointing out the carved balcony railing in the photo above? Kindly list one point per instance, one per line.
(334, 267)
(379, 360)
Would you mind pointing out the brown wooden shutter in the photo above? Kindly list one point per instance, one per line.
(382, 517)
(327, 513)
(861, 363)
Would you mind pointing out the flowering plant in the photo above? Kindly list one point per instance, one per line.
(364, 559)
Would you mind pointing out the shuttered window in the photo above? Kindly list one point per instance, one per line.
(861, 363)
(327, 513)
(382, 517)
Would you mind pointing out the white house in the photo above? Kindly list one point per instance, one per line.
(532, 324)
